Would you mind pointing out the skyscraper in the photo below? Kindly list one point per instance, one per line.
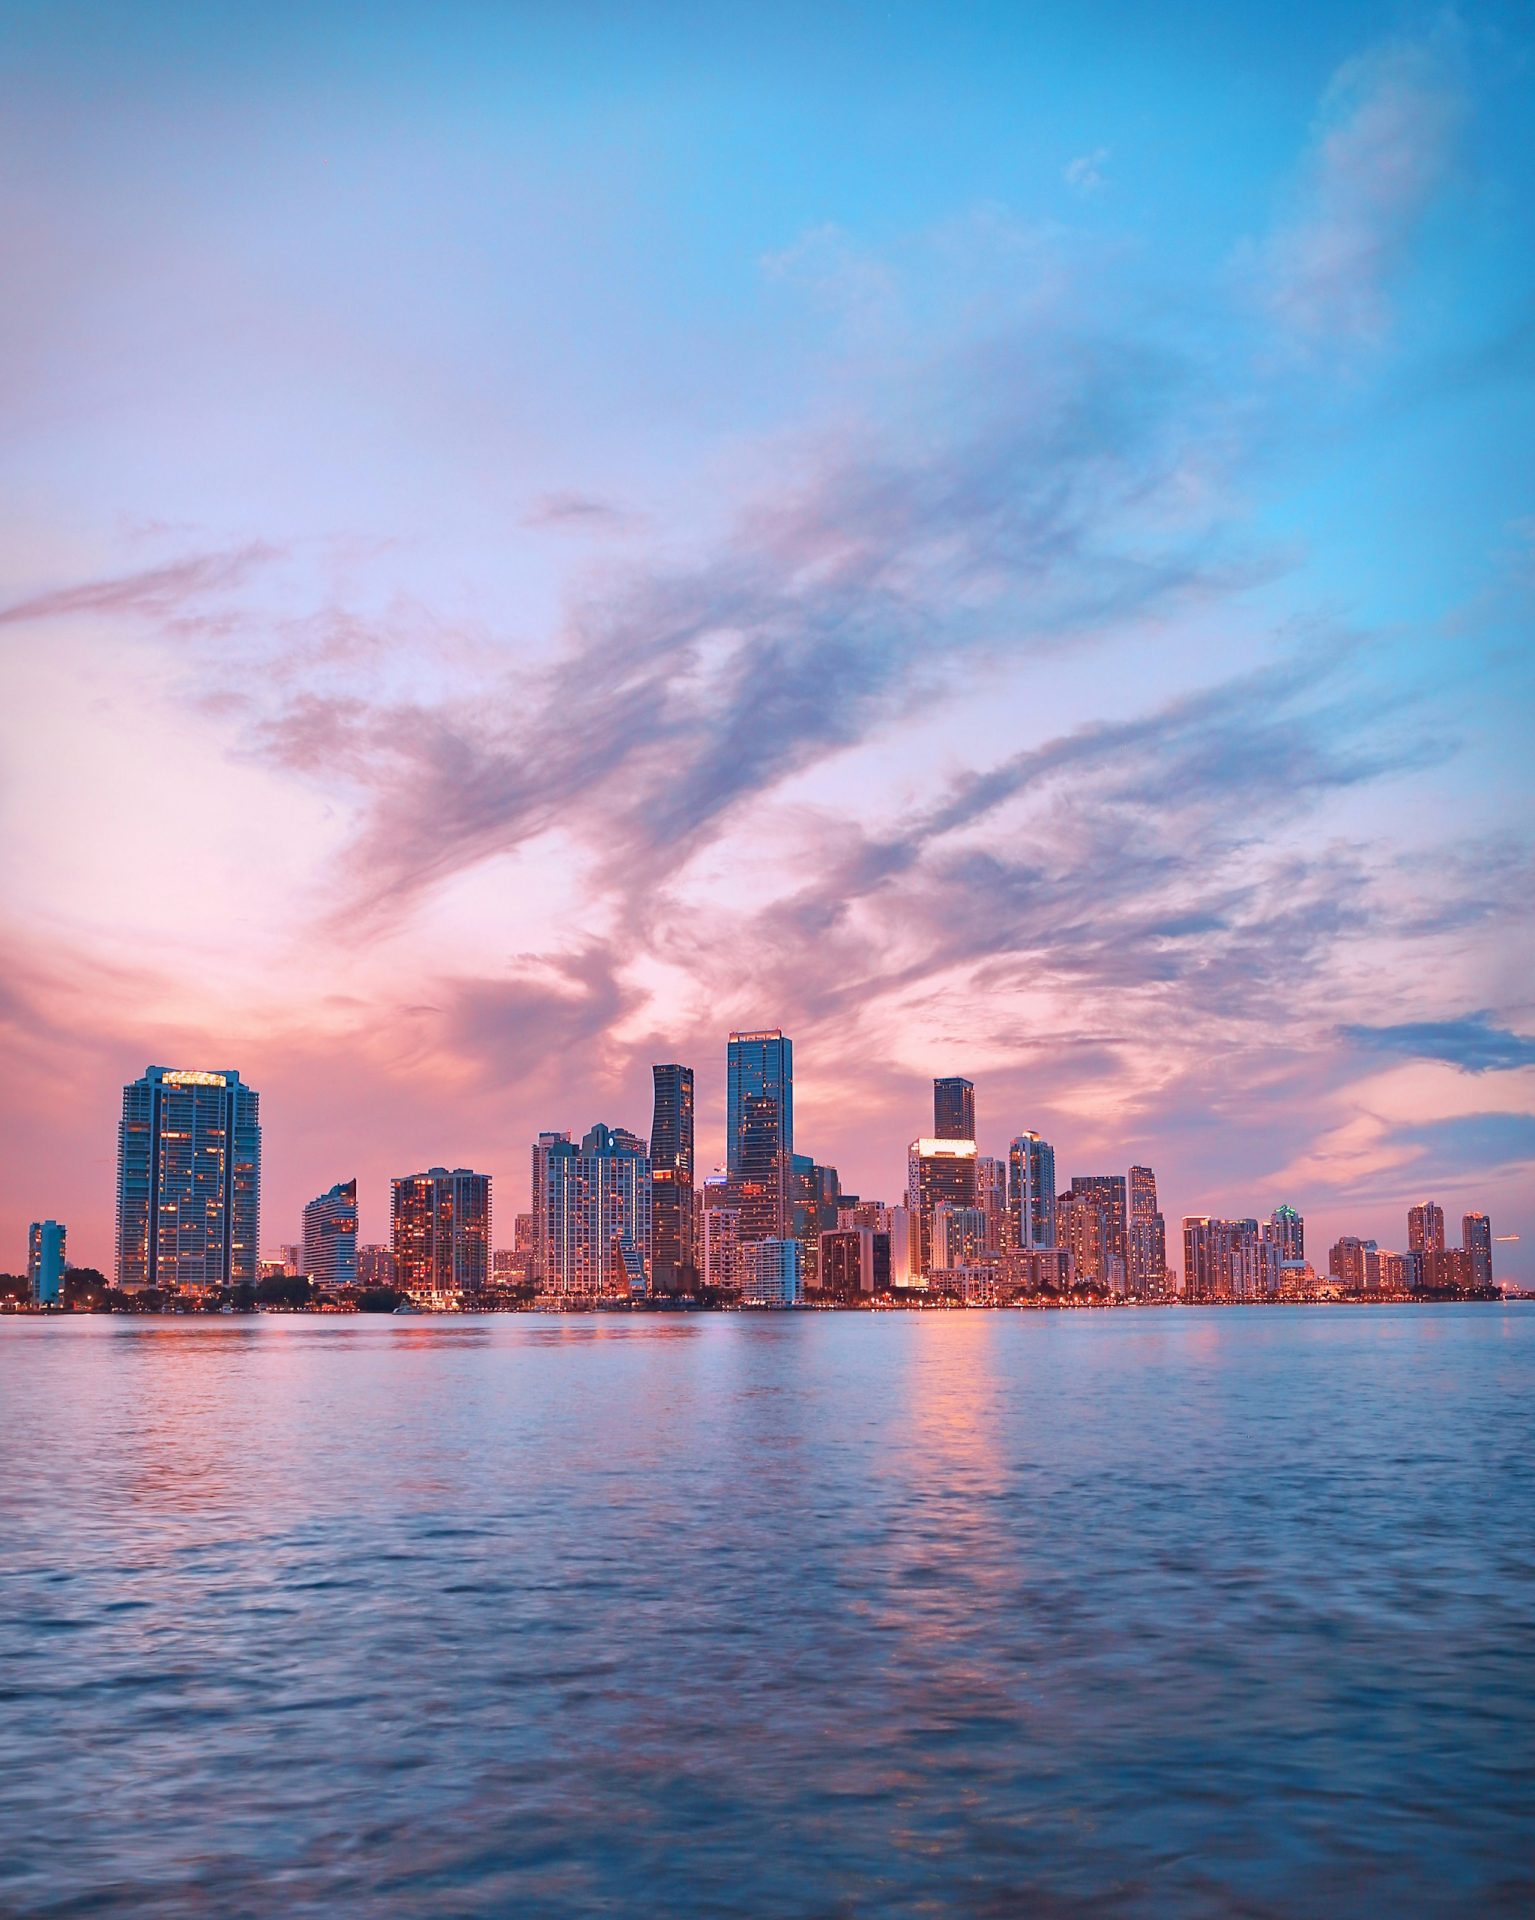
(597, 1205)
(539, 1201)
(1145, 1237)
(991, 1198)
(440, 1232)
(46, 1262)
(759, 1131)
(1106, 1191)
(671, 1173)
(330, 1236)
(1031, 1190)
(188, 1181)
(1476, 1243)
(953, 1109)
(1288, 1231)
(938, 1172)
(1425, 1242)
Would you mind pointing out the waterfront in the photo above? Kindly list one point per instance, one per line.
(1178, 1611)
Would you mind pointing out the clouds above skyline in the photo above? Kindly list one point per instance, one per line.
(1000, 661)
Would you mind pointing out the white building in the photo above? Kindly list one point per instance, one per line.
(772, 1273)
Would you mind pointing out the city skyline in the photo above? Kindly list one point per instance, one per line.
(1037, 593)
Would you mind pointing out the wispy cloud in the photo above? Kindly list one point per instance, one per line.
(1088, 173)
(154, 593)
(1383, 148)
(1471, 1043)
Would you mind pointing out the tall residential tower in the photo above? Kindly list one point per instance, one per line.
(188, 1181)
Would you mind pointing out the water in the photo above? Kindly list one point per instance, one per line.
(1189, 1613)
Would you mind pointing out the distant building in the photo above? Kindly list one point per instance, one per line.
(1036, 1270)
(543, 1146)
(1228, 1260)
(991, 1198)
(46, 1262)
(1031, 1190)
(772, 1273)
(1425, 1229)
(847, 1263)
(722, 1248)
(1145, 1238)
(1476, 1241)
(1106, 1191)
(597, 1215)
(671, 1173)
(291, 1254)
(1355, 1264)
(759, 1131)
(938, 1173)
(954, 1109)
(1396, 1271)
(440, 1232)
(1081, 1224)
(375, 1267)
(188, 1181)
(330, 1236)
(1288, 1232)
(961, 1237)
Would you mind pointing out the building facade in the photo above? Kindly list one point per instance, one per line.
(772, 1273)
(938, 1173)
(188, 1182)
(953, 1109)
(597, 1207)
(330, 1236)
(1476, 1243)
(440, 1233)
(46, 1261)
(1031, 1191)
(759, 1131)
(672, 1263)
(847, 1263)
(1145, 1238)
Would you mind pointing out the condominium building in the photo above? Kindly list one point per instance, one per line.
(597, 1213)
(671, 1174)
(188, 1181)
(440, 1233)
(759, 1131)
(46, 1262)
(330, 1236)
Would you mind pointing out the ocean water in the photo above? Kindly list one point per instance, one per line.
(1189, 1612)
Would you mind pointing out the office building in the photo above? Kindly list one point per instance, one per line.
(1476, 1244)
(330, 1236)
(759, 1131)
(953, 1109)
(188, 1182)
(991, 1198)
(1031, 1191)
(671, 1174)
(772, 1273)
(598, 1216)
(440, 1233)
(938, 1173)
(46, 1261)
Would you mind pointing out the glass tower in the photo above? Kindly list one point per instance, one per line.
(188, 1181)
(953, 1109)
(671, 1175)
(759, 1122)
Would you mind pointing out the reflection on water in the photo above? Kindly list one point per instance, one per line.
(1185, 1613)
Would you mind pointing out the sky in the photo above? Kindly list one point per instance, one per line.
(998, 539)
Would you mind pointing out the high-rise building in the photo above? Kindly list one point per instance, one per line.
(440, 1232)
(598, 1212)
(1082, 1227)
(330, 1236)
(46, 1262)
(1476, 1243)
(1229, 1260)
(1355, 1264)
(953, 1109)
(847, 1263)
(375, 1266)
(962, 1237)
(772, 1273)
(1031, 1191)
(938, 1173)
(538, 1189)
(721, 1238)
(991, 1198)
(1425, 1227)
(188, 1181)
(291, 1255)
(1145, 1238)
(671, 1174)
(1106, 1191)
(1288, 1232)
(759, 1131)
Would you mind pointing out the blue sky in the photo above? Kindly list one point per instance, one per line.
(1001, 538)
